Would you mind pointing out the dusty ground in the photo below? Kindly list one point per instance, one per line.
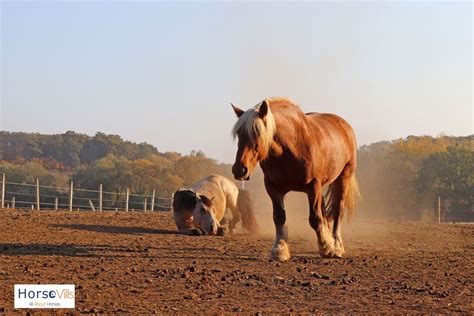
(136, 263)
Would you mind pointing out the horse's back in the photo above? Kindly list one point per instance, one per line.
(322, 126)
(228, 187)
(217, 187)
(334, 129)
(213, 182)
(334, 144)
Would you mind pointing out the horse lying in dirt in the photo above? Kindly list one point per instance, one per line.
(200, 209)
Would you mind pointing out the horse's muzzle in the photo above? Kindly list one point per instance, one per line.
(241, 173)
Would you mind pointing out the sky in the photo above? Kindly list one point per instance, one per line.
(165, 73)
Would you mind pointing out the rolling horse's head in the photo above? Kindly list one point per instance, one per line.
(204, 215)
(254, 130)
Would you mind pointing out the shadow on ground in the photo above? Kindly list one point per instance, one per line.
(107, 251)
(118, 229)
(50, 250)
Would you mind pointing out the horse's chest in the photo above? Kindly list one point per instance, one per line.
(285, 175)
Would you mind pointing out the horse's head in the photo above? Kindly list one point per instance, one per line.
(204, 216)
(254, 129)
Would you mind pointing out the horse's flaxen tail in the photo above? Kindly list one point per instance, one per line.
(244, 205)
(334, 192)
(352, 196)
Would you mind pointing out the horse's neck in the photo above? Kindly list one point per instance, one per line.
(286, 164)
(292, 133)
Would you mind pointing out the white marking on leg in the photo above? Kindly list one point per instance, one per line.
(338, 245)
(326, 242)
(280, 251)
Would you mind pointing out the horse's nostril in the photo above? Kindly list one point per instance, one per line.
(239, 172)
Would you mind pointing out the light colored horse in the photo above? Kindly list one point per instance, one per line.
(300, 152)
(200, 209)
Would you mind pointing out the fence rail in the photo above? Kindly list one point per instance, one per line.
(41, 197)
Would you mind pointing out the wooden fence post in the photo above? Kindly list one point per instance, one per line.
(37, 194)
(126, 200)
(56, 202)
(439, 210)
(144, 206)
(3, 190)
(100, 197)
(171, 203)
(13, 202)
(71, 196)
(153, 200)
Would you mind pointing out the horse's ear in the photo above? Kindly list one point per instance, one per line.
(205, 200)
(239, 112)
(263, 110)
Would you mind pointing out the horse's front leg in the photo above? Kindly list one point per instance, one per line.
(193, 231)
(223, 226)
(280, 250)
(235, 219)
(318, 222)
(185, 225)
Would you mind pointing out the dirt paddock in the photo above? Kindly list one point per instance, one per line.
(137, 263)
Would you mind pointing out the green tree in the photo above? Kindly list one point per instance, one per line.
(449, 175)
(194, 167)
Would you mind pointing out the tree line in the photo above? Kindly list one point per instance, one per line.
(405, 177)
(399, 179)
(102, 159)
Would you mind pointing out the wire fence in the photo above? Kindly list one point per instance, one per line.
(45, 197)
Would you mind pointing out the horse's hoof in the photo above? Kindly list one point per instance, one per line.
(337, 254)
(221, 231)
(328, 251)
(280, 251)
(338, 249)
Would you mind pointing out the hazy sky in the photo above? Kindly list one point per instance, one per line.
(165, 73)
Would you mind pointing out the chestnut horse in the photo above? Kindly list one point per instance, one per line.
(200, 209)
(300, 152)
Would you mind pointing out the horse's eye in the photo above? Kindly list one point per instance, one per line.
(203, 210)
(256, 146)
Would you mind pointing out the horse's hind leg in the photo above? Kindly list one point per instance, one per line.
(335, 213)
(318, 221)
(340, 193)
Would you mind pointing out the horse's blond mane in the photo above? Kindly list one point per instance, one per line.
(256, 128)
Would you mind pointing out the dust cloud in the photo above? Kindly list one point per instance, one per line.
(297, 215)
